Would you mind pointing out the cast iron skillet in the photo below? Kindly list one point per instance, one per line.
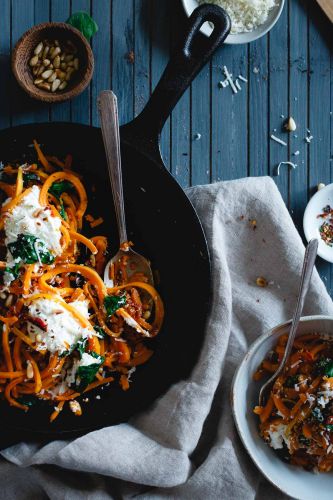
(163, 225)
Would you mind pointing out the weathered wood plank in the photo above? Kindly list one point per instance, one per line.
(123, 58)
(200, 139)
(22, 107)
(60, 11)
(278, 101)
(81, 104)
(42, 15)
(298, 27)
(319, 113)
(160, 51)
(101, 44)
(142, 45)
(180, 119)
(229, 115)
(258, 107)
(5, 80)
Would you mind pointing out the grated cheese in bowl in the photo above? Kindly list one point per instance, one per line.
(245, 15)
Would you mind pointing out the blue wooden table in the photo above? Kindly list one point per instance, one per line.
(289, 72)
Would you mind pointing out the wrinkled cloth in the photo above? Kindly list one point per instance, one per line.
(186, 445)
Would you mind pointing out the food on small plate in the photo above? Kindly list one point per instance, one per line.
(245, 15)
(64, 333)
(297, 419)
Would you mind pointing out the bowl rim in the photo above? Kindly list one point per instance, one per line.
(307, 233)
(67, 94)
(248, 354)
(238, 41)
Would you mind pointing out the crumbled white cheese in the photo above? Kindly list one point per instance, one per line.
(87, 360)
(278, 140)
(30, 217)
(310, 398)
(245, 15)
(62, 328)
(277, 436)
(288, 163)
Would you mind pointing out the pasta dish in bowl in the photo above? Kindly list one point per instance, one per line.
(289, 438)
(64, 333)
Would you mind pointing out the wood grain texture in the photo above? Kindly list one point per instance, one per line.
(289, 72)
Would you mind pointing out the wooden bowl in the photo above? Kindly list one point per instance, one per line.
(24, 50)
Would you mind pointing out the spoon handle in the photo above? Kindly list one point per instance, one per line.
(308, 265)
(108, 112)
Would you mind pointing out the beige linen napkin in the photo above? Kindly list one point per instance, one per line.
(186, 445)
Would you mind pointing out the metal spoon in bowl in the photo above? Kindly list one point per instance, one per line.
(135, 263)
(308, 265)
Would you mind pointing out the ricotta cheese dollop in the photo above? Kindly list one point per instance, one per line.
(53, 327)
(30, 217)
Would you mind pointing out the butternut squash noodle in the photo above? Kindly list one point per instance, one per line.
(64, 333)
(297, 419)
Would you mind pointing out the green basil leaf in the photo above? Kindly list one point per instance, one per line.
(86, 374)
(60, 187)
(15, 270)
(324, 366)
(62, 210)
(81, 346)
(100, 331)
(113, 302)
(26, 247)
(329, 427)
(28, 177)
(84, 23)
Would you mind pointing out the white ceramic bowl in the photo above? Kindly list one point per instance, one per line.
(291, 480)
(311, 223)
(273, 16)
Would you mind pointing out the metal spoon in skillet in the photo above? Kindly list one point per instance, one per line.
(308, 265)
(135, 263)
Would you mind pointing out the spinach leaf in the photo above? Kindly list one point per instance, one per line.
(329, 427)
(30, 249)
(303, 440)
(60, 187)
(86, 374)
(113, 302)
(62, 210)
(84, 23)
(28, 177)
(291, 381)
(100, 331)
(15, 270)
(27, 400)
(317, 414)
(81, 345)
(324, 367)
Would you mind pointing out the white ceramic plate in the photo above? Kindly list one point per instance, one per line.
(273, 16)
(311, 223)
(291, 480)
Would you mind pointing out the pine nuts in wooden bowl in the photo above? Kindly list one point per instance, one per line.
(53, 62)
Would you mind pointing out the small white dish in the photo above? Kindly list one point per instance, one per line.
(311, 223)
(291, 480)
(246, 37)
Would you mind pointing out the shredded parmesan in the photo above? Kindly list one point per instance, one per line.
(245, 15)
(289, 163)
(277, 139)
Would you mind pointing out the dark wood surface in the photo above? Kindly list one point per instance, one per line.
(289, 72)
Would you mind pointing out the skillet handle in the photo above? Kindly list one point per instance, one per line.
(186, 61)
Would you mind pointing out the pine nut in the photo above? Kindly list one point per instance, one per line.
(38, 49)
(55, 52)
(63, 85)
(45, 51)
(33, 61)
(40, 70)
(46, 74)
(52, 77)
(76, 63)
(55, 85)
(46, 62)
(63, 65)
(69, 58)
(69, 74)
(44, 86)
(56, 61)
(38, 80)
(30, 371)
(9, 300)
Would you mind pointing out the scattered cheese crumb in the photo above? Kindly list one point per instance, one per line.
(280, 141)
(289, 163)
(242, 78)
